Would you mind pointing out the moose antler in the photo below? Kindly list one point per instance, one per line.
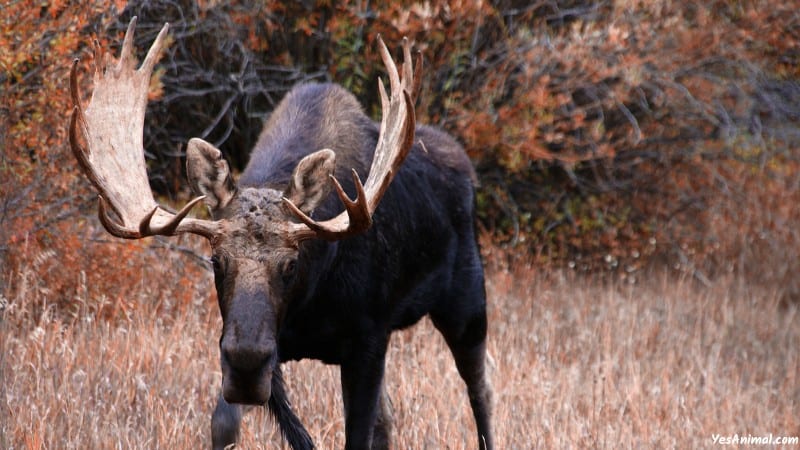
(395, 140)
(113, 160)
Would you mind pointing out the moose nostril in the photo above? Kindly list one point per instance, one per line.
(247, 357)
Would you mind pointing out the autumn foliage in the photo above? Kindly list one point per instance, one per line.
(52, 250)
(607, 135)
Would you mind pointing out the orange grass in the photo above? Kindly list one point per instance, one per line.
(575, 363)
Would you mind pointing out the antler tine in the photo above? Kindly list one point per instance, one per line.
(391, 68)
(169, 228)
(408, 74)
(358, 209)
(417, 77)
(127, 44)
(395, 139)
(155, 50)
(113, 158)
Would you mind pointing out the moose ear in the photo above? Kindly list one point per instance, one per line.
(310, 182)
(209, 174)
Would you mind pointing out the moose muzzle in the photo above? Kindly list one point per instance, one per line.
(248, 351)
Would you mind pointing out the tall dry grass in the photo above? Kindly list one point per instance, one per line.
(575, 363)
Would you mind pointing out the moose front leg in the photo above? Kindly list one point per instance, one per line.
(367, 411)
(382, 431)
(225, 423)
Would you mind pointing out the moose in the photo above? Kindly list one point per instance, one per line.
(296, 275)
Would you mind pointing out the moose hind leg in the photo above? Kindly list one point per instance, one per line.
(467, 342)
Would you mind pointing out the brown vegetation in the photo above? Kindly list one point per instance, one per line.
(660, 363)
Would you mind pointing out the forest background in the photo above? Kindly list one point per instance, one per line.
(606, 135)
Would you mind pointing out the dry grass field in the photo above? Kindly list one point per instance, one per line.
(575, 363)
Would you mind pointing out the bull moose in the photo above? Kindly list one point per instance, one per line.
(296, 276)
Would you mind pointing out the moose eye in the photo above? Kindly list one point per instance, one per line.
(288, 270)
(216, 263)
